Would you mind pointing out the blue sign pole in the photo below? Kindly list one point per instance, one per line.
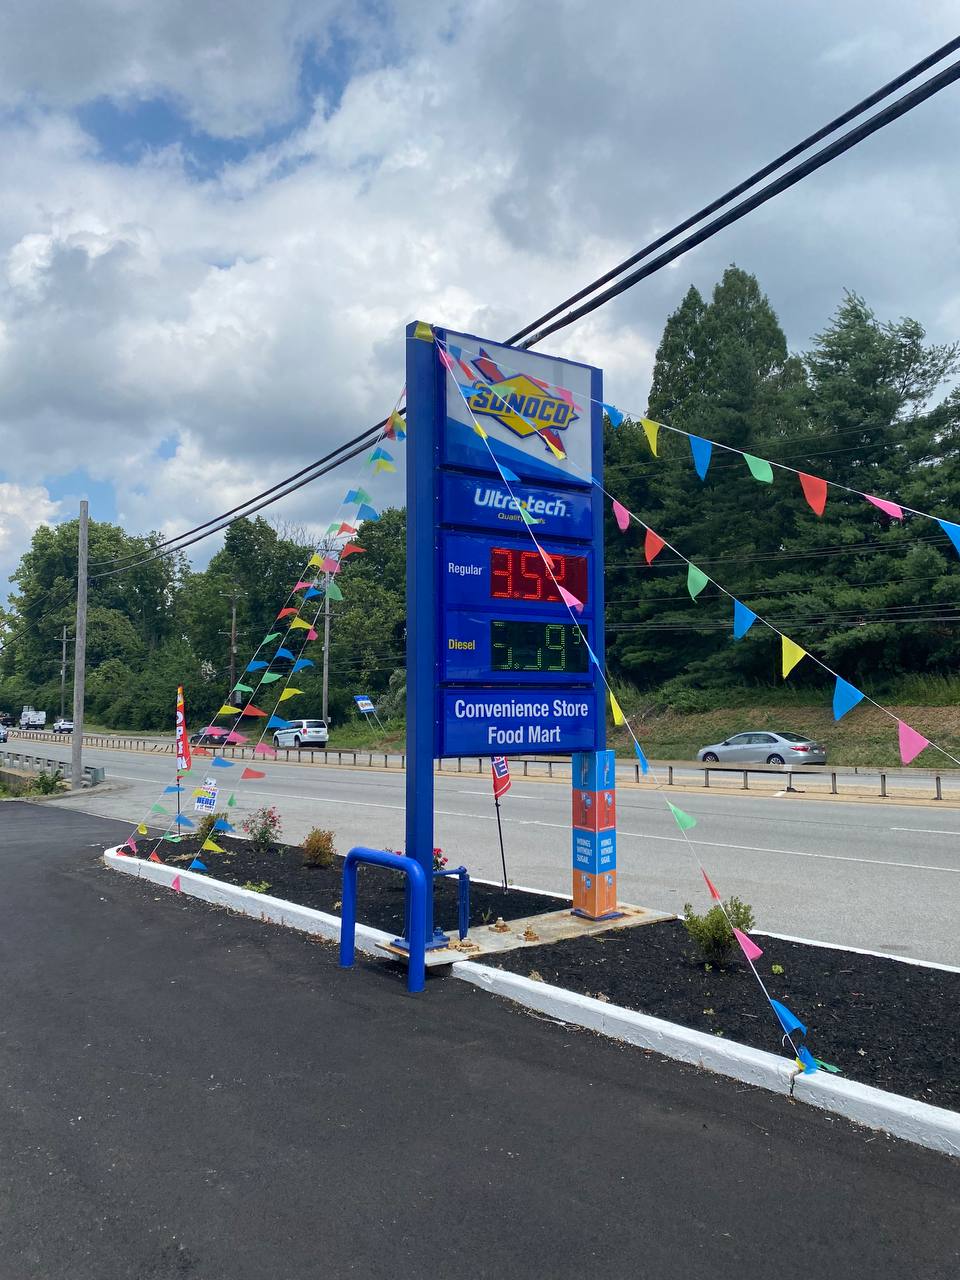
(424, 403)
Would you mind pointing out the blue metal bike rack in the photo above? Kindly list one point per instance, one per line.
(417, 908)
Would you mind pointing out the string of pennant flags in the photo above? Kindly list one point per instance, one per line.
(845, 695)
(815, 489)
(307, 596)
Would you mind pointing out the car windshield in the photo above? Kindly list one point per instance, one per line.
(314, 724)
(793, 737)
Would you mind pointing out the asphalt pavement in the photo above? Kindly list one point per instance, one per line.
(882, 876)
(191, 1093)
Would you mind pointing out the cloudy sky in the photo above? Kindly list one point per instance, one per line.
(217, 215)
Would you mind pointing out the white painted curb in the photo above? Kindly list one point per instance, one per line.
(917, 1122)
(261, 906)
(712, 1053)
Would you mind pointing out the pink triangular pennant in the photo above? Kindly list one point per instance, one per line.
(446, 358)
(710, 886)
(175, 884)
(622, 516)
(311, 634)
(569, 599)
(330, 565)
(911, 742)
(889, 508)
(261, 749)
(747, 945)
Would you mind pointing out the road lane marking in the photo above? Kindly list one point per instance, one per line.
(927, 831)
(637, 835)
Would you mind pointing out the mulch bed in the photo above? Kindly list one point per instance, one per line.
(884, 1023)
(380, 891)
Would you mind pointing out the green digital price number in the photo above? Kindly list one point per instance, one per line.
(538, 646)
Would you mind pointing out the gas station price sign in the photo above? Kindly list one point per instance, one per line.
(509, 666)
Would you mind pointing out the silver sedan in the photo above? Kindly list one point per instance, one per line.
(764, 748)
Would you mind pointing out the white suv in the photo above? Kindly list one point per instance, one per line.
(302, 733)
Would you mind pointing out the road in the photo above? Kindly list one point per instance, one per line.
(881, 876)
(188, 1093)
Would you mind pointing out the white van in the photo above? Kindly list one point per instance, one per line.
(302, 733)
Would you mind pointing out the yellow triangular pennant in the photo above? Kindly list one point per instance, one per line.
(423, 331)
(480, 431)
(211, 846)
(557, 453)
(792, 653)
(382, 465)
(141, 830)
(227, 710)
(650, 429)
(298, 624)
(618, 716)
(315, 559)
(289, 693)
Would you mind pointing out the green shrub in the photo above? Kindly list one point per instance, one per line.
(206, 824)
(46, 784)
(264, 827)
(258, 886)
(712, 932)
(318, 850)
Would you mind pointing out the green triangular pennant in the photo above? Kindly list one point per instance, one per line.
(760, 469)
(684, 820)
(696, 580)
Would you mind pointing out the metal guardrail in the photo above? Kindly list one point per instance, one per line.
(561, 769)
(92, 774)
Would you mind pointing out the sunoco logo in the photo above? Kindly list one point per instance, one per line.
(520, 403)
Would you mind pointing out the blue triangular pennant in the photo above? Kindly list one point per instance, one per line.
(810, 1064)
(644, 763)
(222, 824)
(277, 722)
(508, 475)
(743, 620)
(300, 664)
(197, 865)
(952, 531)
(218, 762)
(845, 698)
(614, 414)
(789, 1021)
(257, 666)
(181, 820)
(701, 450)
(308, 595)
(366, 512)
(284, 653)
(169, 791)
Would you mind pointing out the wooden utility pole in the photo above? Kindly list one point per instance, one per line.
(63, 673)
(326, 645)
(79, 653)
(233, 596)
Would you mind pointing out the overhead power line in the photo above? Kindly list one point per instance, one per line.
(844, 118)
(803, 170)
(791, 178)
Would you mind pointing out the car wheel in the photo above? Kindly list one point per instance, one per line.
(296, 741)
(276, 740)
(775, 760)
(710, 757)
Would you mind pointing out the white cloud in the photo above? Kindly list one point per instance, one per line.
(23, 509)
(482, 164)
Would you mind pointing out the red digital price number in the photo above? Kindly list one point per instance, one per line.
(522, 575)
